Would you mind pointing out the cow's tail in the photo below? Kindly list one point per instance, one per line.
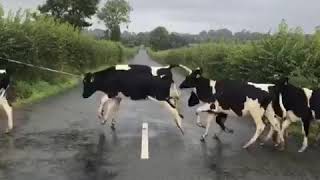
(188, 70)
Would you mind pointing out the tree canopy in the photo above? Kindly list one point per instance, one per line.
(113, 14)
(75, 12)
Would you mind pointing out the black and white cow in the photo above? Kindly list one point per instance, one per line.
(230, 97)
(130, 81)
(297, 104)
(112, 105)
(4, 85)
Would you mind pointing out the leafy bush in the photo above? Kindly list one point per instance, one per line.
(42, 41)
(288, 52)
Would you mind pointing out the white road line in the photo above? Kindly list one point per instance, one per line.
(144, 142)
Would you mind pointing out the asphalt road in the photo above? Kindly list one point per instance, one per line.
(61, 139)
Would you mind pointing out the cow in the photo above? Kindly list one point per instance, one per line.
(159, 71)
(297, 105)
(230, 97)
(4, 85)
(133, 82)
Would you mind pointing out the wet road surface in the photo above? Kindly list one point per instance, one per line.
(61, 139)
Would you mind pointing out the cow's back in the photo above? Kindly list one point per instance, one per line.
(134, 84)
(233, 94)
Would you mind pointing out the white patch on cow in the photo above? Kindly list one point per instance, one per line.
(123, 67)
(218, 109)
(2, 93)
(213, 85)
(162, 76)
(2, 71)
(154, 69)
(185, 68)
(293, 117)
(264, 87)
(308, 93)
(204, 108)
(8, 109)
(314, 114)
(282, 106)
(174, 92)
(252, 106)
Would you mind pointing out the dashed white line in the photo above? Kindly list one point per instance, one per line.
(144, 142)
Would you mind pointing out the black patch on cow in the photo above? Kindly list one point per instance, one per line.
(193, 99)
(315, 103)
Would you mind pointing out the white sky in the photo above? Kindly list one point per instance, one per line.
(193, 16)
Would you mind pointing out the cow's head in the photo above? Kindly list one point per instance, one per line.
(280, 84)
(89, 85)
(5, 78)
(192, 79)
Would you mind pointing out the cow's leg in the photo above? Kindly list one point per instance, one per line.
(175, 113)
(274, 122)
(286, 123)
(108, 110)
(220, 120)
(203, 108)
(103, 101)
(209, 119)
(257, 115)
(8, 109)
(172, 109)
(268, 136)
(305, 132)
(115, 111)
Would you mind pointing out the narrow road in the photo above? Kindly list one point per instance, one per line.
(61, 139)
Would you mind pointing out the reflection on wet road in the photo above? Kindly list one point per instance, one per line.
(61, 139)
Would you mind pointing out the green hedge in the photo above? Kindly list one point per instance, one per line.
(287, 52)
(43, 41)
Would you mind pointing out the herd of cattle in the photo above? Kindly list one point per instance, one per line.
(277, 104)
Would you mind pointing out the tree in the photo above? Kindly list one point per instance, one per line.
(159, 39)
(114, 13)
(177, 40)
(73, 11)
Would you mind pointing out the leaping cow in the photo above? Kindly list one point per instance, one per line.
(4, 85)
(230, 97)
(137, 82)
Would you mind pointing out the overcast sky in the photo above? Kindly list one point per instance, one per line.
(192, 16)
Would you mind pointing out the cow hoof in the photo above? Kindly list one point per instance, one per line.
(202, 139)
(103, 122)
(201, 125)
(113, 127)
(301, 150)
(216, 137)
(230, 131)
(8, 131)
